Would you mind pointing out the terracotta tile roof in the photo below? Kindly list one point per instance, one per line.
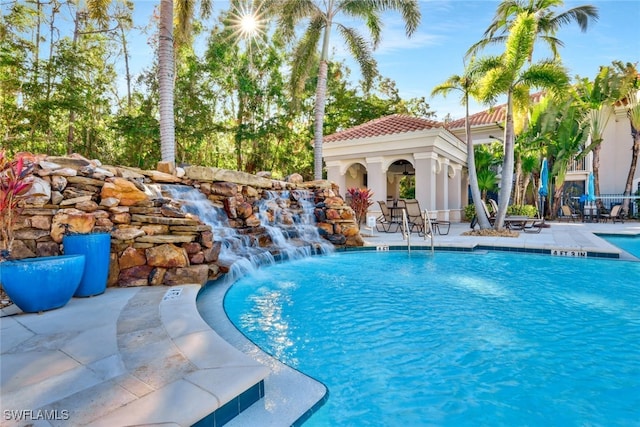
(490, 116)
(387, 125)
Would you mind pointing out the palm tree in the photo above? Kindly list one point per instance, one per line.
(548, 22)
(506, 75)
(634, 118)
(566, 133)
(599, 98)
(487, 158)
(465, 84)
(166, 65)
(322, 16)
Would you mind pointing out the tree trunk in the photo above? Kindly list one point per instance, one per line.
(635, 152)
(518, 191)
(507, 166)
(72, 113)
(557, 196)
(321, 94)
(596, 173)
(481, 214)
(166, 82)
(127, 72)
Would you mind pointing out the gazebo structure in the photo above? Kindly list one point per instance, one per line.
(380, 153)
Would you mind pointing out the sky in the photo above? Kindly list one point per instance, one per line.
(447, 29)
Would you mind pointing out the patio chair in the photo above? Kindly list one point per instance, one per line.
(417, 219)
(568, 214)
(385, 222)
(414, 216)
(614, 215)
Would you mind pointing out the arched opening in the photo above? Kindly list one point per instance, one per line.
(403, 182)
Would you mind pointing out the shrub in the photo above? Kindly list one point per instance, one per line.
(359, 201)
(15, 182)
(525, 210)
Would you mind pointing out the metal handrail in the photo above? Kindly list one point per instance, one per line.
(406, 233)
(427, 221)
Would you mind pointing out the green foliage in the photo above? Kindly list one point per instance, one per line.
(408, 187)
(526, 210)
(359, 200)
(469, 212)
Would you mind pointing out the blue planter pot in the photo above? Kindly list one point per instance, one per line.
(96, 249)
(41, 284)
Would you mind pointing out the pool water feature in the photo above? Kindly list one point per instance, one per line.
(629, 244)
(293, 232)
(452, 338)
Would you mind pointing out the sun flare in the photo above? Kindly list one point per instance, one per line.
(247, 21)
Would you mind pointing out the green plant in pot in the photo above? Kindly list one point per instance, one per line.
(33, 284)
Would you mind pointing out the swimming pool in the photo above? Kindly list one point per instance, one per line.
(630, 244)
(453, 339)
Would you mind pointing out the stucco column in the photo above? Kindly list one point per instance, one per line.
(334, 175)
(426, 164)
(455, 193)
(442, 185)
(377, 179)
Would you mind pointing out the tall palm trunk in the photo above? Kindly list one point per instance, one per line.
(596, 171)
(166, 82)
(507, 165)
(518, 192)
(635, 153)
(72, 113)
(483, 221)
(321, 93)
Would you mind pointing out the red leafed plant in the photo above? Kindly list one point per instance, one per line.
(15, 181)
(359, 201)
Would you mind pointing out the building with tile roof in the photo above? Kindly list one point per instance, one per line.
(379, 153)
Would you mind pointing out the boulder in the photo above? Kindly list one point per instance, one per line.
(75, 220)
(167, 256)
(202, 173)
(132, 257)
(40, 192)
(295, 178)
(124, 190)
(127, 233)
(195, 274)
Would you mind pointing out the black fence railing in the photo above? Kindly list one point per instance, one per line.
(610, 200)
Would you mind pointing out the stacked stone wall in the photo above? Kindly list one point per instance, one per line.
(152, 241)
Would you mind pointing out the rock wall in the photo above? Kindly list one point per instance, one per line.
(152, 241)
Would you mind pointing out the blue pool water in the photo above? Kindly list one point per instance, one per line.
(630, 244)
(453, 339)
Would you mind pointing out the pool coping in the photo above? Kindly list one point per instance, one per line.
(130, 356)
(94, 341)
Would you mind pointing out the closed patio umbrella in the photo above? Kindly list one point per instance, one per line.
(543, 191)
(591, 191)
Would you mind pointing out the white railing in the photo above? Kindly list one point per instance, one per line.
(428, 226)
(406, 232)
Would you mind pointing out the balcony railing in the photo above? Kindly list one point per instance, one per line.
(578, 165)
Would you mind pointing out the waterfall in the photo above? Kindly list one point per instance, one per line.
(293, 232)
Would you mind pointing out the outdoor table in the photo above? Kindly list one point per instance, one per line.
(591, 214)
(396, 213)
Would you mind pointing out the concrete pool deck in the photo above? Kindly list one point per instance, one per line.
(144, 356)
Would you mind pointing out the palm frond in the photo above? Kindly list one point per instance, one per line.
(292, 12)
(361, 51)
(520, 42)
(99, 10)
(305, 54)
(183, 18)
(581, 15)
